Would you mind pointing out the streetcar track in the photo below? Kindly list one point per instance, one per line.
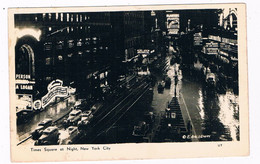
(143, 91)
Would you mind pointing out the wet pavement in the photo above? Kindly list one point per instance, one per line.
(53, 111)
(214, 116)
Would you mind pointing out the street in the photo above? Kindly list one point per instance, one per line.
(54, 111)
(127, 77)
(213, 117)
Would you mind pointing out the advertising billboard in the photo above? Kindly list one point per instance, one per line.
(173, 24)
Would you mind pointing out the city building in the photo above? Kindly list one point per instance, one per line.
(72, 47)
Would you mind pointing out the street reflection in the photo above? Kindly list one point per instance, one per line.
(53, 111)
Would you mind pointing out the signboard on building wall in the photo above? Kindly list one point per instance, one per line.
(24, 102)
(173, 23)
(211, 48)
(24, 84)
(173, 31)
(143, 52)
(215, 38)
(55, 89)
(197, 39)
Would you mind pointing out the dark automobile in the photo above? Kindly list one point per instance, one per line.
(211, 80)
(168, 82)
(85, 117)
(50, 136)
(141, 129)
(69, 136)
(160, 87)
(74, 117)
(39, 129)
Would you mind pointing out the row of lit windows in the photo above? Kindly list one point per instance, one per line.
(79, 43)
(134, 14)
(64, 17)
(50, 60)
(80, 29)
(72, 17)
(71, 29)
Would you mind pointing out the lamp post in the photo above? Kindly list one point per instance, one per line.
(176, 82)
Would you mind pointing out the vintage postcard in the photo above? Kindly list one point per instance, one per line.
(128, 82)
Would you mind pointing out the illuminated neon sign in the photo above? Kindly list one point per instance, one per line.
(55, 89)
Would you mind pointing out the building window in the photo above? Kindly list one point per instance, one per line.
(71, 17)
(49, 16)
(48, 78)
(43, 16)
(61, 17)
(70, 43)
(50, 28)
(60, 57)
(68, 17)
(70, 55)
(47, 46)
(57, 16)
(80, 19)
(79, 43)
(48, 61)
(77, 18)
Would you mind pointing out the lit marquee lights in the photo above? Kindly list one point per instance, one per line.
(36, 33)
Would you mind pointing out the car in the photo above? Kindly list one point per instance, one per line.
(167, 82)
(86, 117)
(94, 108)
(141, 129)
(69, 136)
(74, 117)
(211, 80)
(39, 129)
(160, 87)
(80, 104)
(50, 136)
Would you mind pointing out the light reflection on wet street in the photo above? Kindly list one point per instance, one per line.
(53, 111)
(211, 113)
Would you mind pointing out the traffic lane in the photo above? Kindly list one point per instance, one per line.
(229, 113)
(219, 121)
(160, 100)
(212, 114)
(189, 100)
(54, 112)
(186, 91)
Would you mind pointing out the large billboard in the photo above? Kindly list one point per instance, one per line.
(173, 24)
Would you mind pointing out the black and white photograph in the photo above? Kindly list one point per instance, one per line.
(126, 77)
